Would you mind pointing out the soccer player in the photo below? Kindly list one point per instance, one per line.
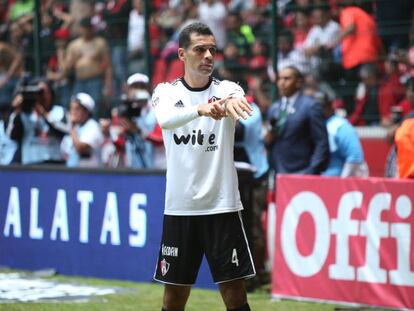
(197, 114)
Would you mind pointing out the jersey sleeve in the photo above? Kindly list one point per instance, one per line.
(168, 116)
(232, 89)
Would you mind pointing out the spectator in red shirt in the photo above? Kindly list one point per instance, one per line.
(367, 110)
(391, 90)
(375, 98)
(360, 41)
(359, 44)
(301, 28)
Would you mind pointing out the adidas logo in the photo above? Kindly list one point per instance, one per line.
(179, 104)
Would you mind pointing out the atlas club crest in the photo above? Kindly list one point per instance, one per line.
(165, 266)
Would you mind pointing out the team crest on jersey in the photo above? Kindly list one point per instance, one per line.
(213, 99)
(164, 266)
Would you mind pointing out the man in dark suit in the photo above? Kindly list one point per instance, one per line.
(297, 138)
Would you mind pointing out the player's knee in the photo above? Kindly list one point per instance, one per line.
(245, 307)
(177, 292)
(175, 297)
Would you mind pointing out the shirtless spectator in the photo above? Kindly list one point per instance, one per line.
(89, 60)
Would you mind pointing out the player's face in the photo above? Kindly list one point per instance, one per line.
(287, 82)
(198, 58)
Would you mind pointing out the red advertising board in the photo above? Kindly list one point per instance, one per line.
(345, 240)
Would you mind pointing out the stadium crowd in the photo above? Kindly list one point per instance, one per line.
(92, 105)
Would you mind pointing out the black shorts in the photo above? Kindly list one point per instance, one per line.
(220, 237)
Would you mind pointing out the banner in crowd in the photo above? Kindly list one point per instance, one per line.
(345, 240)
(92, 224)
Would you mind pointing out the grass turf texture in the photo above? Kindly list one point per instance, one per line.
(148, 297)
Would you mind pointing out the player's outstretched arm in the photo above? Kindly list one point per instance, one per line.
(168, 116)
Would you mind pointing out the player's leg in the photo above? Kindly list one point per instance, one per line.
(179, 259)
(228, 255)
(175, 297)
(234, 295)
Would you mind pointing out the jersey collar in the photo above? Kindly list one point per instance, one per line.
(197, 89)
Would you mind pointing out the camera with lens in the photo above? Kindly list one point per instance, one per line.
(30, 94)
(131, 107)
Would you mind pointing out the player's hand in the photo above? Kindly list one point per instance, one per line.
(214, 109)
(238, 108)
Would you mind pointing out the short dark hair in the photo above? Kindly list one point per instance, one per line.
(184, 39)
(296, 71)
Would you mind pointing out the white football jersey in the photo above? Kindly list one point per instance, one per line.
(201, 177)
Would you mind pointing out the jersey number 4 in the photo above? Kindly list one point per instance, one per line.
(234, 258)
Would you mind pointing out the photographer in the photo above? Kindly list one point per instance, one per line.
(132, 122)
(82, 146)
(36, 124)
